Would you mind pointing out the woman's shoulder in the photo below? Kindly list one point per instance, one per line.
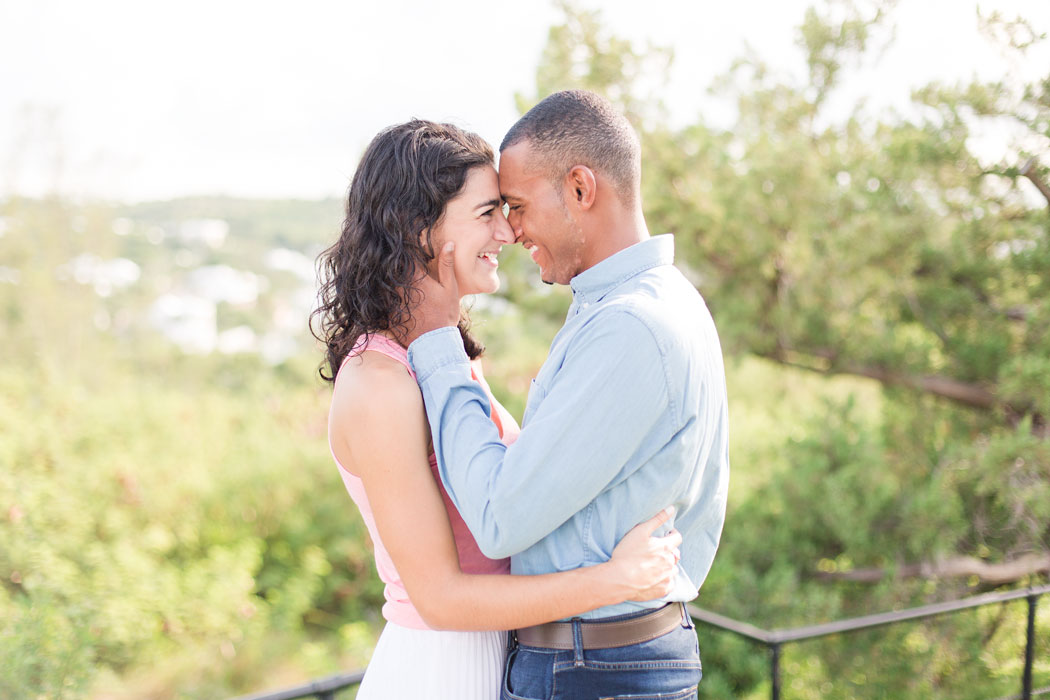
(376, 403)
(374, 383)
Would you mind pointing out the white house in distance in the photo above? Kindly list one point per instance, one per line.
(292, 261)
(188, 321)
(105, 276)
(210, 232)
(223, 283)
(187, 314)
(188, 317)
(236, 340)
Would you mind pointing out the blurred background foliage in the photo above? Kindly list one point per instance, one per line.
(172, 526)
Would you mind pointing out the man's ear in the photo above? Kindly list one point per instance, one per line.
(582, 186)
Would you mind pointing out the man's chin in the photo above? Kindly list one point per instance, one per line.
(549, 276)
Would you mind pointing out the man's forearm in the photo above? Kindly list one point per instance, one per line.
(469, 452)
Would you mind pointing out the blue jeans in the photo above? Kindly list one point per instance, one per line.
(667, 668)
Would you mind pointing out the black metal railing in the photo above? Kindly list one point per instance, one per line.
(321, 688)
(773, 640)
(326, 688)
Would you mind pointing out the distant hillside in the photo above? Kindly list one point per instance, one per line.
(286, 223)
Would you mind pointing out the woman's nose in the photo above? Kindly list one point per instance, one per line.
(504, 233)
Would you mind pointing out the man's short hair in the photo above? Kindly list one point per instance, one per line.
(577, 127)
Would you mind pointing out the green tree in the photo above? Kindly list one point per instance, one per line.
(879, 247)
(167, 522)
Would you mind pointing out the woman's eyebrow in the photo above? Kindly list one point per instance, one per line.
(490, 203)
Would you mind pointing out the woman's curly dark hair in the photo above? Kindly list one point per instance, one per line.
(405, 179)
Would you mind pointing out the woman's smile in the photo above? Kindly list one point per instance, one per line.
(490, 257)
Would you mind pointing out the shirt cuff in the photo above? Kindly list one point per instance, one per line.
(436, 349)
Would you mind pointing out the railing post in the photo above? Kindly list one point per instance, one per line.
(775, 670)
(1029, 650)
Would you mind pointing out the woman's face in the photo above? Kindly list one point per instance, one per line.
(474, 221)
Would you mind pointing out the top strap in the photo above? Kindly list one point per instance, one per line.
(385, 346)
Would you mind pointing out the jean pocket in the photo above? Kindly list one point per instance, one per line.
(666, 667)
(507, 692)
(684, 694)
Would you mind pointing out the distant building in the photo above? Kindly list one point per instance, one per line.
(105, 276)
(223, 283)
(210, 232)
(188, 321)
(123, 226)
(292, 261)
(9, 275)
(277, 347)
(237, 340)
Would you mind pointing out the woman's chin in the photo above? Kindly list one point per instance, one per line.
(479, 286)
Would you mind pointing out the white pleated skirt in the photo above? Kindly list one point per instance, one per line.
(435, 664)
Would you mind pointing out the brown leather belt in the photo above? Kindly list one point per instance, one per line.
(606, 635)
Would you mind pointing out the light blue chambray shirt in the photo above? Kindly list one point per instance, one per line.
(627, 415)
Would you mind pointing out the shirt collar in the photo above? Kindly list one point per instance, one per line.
(595, 282)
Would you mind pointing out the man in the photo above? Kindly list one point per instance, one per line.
(627, 415)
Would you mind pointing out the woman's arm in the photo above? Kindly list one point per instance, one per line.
(385, 438)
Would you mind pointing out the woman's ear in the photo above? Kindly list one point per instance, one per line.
(582, 186)
(425, 242)
(429, 245)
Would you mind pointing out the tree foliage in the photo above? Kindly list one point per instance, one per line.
(166, 521)
(172, 525)
(877, 246)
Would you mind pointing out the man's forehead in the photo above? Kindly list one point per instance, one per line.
(512, 167)
(515, 158)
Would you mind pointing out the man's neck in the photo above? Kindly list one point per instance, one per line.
(612, 234)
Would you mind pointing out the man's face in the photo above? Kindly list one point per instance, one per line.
(538, 216)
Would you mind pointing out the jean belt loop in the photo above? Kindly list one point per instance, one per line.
(687, 621)
(577, 642)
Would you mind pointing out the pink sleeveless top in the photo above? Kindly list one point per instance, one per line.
(398, 608)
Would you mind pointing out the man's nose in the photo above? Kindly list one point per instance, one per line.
(514, 222)
(505, 232)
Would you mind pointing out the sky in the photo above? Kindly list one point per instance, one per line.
(135, 99)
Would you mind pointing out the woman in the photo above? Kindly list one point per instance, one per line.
(418, 186)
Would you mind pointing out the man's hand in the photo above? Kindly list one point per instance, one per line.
(439, 306)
